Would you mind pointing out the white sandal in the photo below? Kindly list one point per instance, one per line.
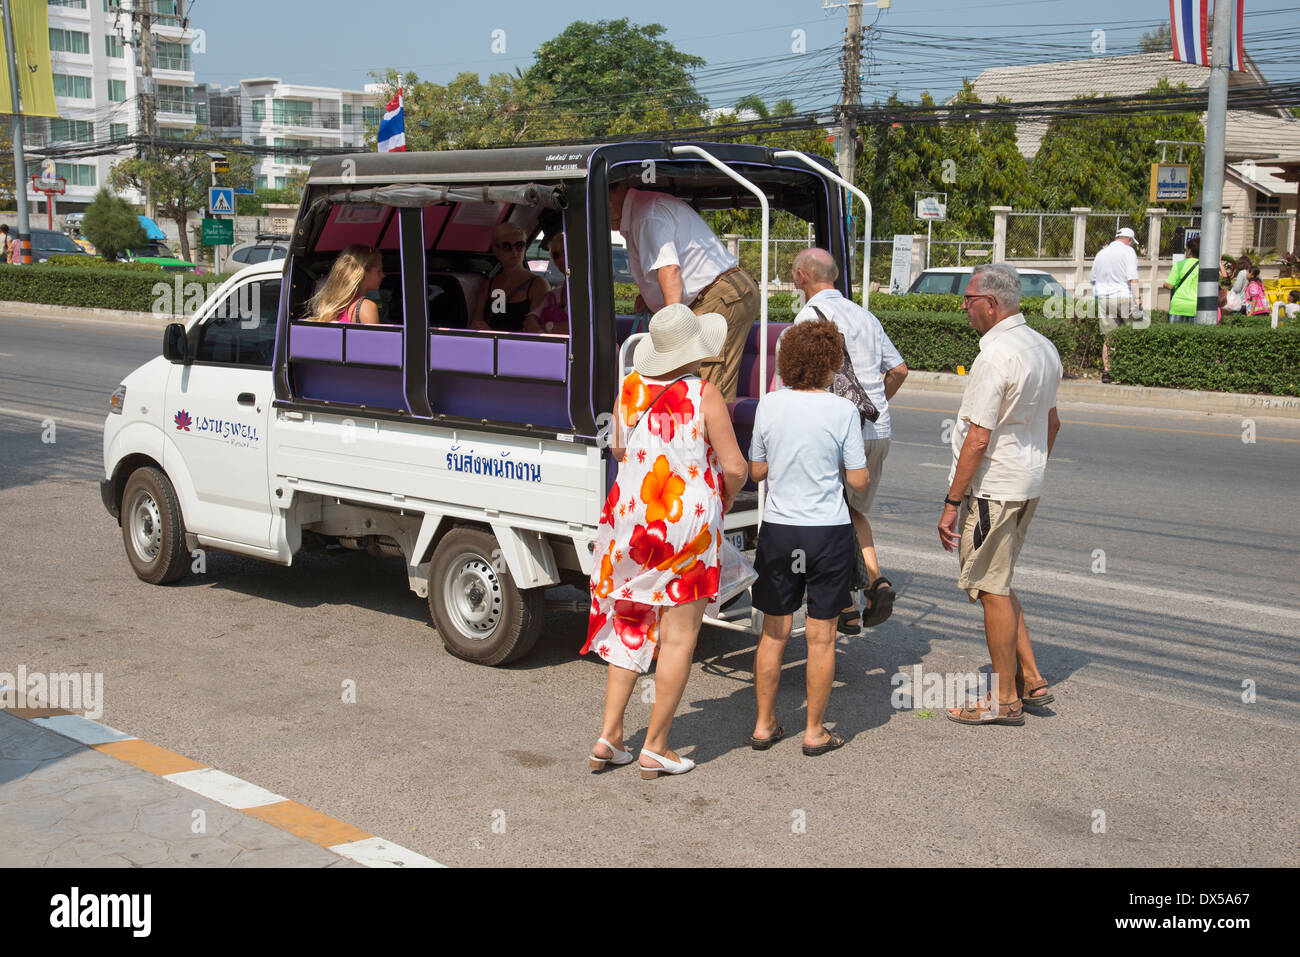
(669, 765)
(617, 758)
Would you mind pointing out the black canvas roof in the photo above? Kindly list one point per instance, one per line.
(523, 163)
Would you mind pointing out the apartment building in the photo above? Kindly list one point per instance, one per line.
(97, 84)
(296, 118)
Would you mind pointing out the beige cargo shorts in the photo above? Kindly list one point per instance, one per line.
(992, 534)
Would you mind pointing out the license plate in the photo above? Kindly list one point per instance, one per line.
(737, 539)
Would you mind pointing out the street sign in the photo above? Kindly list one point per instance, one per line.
(221, 201)
(218, 232)
(931, 208)
(49, 184)
(1170, 181)
(240, 191)
(220, 166)
(900, 272)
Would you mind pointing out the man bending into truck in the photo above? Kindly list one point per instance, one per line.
(674, 257)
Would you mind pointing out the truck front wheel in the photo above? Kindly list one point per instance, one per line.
(478, 610)
(152, 528)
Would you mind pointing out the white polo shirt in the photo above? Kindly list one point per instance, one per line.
(869, 348)
(1010, 390)
(1113, 268)
(662, 230)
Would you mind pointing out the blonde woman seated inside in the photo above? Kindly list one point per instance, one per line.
(357, 272)
(504, 304)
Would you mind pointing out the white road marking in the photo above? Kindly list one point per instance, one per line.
(224, 788)
(1082, 584)
(376, 852)
(58, 419)
(82, 730)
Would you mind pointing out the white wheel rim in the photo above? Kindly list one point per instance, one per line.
(473, 596)
(144, 522)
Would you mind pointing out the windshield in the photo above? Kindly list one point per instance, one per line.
(56, 242)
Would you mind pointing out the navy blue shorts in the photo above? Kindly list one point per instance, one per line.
(794, 558)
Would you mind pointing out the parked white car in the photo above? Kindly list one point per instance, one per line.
(955, 279)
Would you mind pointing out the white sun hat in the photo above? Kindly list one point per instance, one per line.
(678, 337)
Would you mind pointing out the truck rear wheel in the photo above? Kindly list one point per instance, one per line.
(478, 610)
(152, 528)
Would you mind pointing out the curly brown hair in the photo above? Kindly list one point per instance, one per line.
(810, 354)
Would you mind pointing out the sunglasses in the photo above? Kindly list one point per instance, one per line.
(517, 245)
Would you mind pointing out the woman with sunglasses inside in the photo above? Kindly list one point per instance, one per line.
(504, 303)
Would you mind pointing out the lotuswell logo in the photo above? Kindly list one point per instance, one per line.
(183, 421)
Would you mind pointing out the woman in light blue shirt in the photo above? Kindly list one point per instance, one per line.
(803, 436)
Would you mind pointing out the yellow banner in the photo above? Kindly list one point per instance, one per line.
(32, 50)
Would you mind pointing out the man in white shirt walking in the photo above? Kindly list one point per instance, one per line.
(881, 371)
(1114, 280)
(674, 257)
(1004, 435)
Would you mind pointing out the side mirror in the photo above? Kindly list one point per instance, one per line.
(175, 345)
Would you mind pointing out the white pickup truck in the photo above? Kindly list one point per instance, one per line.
(475, 456)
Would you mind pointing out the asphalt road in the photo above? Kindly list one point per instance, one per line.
(242, 667)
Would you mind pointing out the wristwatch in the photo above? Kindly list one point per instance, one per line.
(954, 504)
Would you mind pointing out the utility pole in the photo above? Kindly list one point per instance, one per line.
(850, 93)
(24, 237)
(148, 104)
(1207, 281)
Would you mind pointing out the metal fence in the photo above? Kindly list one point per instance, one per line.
(961, 252)
(1040, 235)
(1266, 232)
(1102, 227)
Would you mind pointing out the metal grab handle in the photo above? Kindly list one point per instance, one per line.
(246, 398)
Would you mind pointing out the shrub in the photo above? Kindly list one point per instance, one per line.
(1235, 358)
(67, 259)
(100, 286)
(111, 225)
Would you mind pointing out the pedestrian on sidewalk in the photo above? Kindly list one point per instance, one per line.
(1182, 283)
(1004, 435)
(1115, 284)
(881, 370)
(805, 438)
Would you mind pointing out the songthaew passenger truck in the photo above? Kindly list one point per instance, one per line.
(475, 456)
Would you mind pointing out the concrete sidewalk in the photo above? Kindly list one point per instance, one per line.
(74, 793)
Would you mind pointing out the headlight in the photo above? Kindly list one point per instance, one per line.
(117, 401)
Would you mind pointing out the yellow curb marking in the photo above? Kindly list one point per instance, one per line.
(309, 824)
(149, 757)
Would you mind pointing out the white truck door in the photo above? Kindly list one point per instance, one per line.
(218, 409)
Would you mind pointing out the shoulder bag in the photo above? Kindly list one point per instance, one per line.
(847, 386)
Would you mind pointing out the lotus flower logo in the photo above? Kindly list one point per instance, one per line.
(183, 421)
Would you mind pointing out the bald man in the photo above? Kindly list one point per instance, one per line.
(674, 257)
(881, 371)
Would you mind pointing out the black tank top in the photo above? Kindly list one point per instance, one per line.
(512, 320)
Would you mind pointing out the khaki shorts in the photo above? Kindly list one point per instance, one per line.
(860, 502)
(1113, 312)
(992, 534)
(735, 298)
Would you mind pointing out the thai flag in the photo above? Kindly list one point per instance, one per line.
(1237, 55)
(1187, 27)
(392, 128)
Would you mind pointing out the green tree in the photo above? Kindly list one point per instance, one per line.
(177, 178)
(1157, 41)
(898, 160)
(111, 225)
(1104, 160)
(462, 114)
(594, 76)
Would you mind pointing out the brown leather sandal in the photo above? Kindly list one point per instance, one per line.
(980, 713)
(1031, 700)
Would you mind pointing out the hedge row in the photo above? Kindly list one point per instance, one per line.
(95, 287)
(1247, 357)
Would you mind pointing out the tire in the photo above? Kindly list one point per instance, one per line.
(153, 530)
(478, 610)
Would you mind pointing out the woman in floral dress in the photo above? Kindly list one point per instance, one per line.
(660, 537)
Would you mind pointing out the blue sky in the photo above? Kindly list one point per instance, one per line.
(919, 44)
